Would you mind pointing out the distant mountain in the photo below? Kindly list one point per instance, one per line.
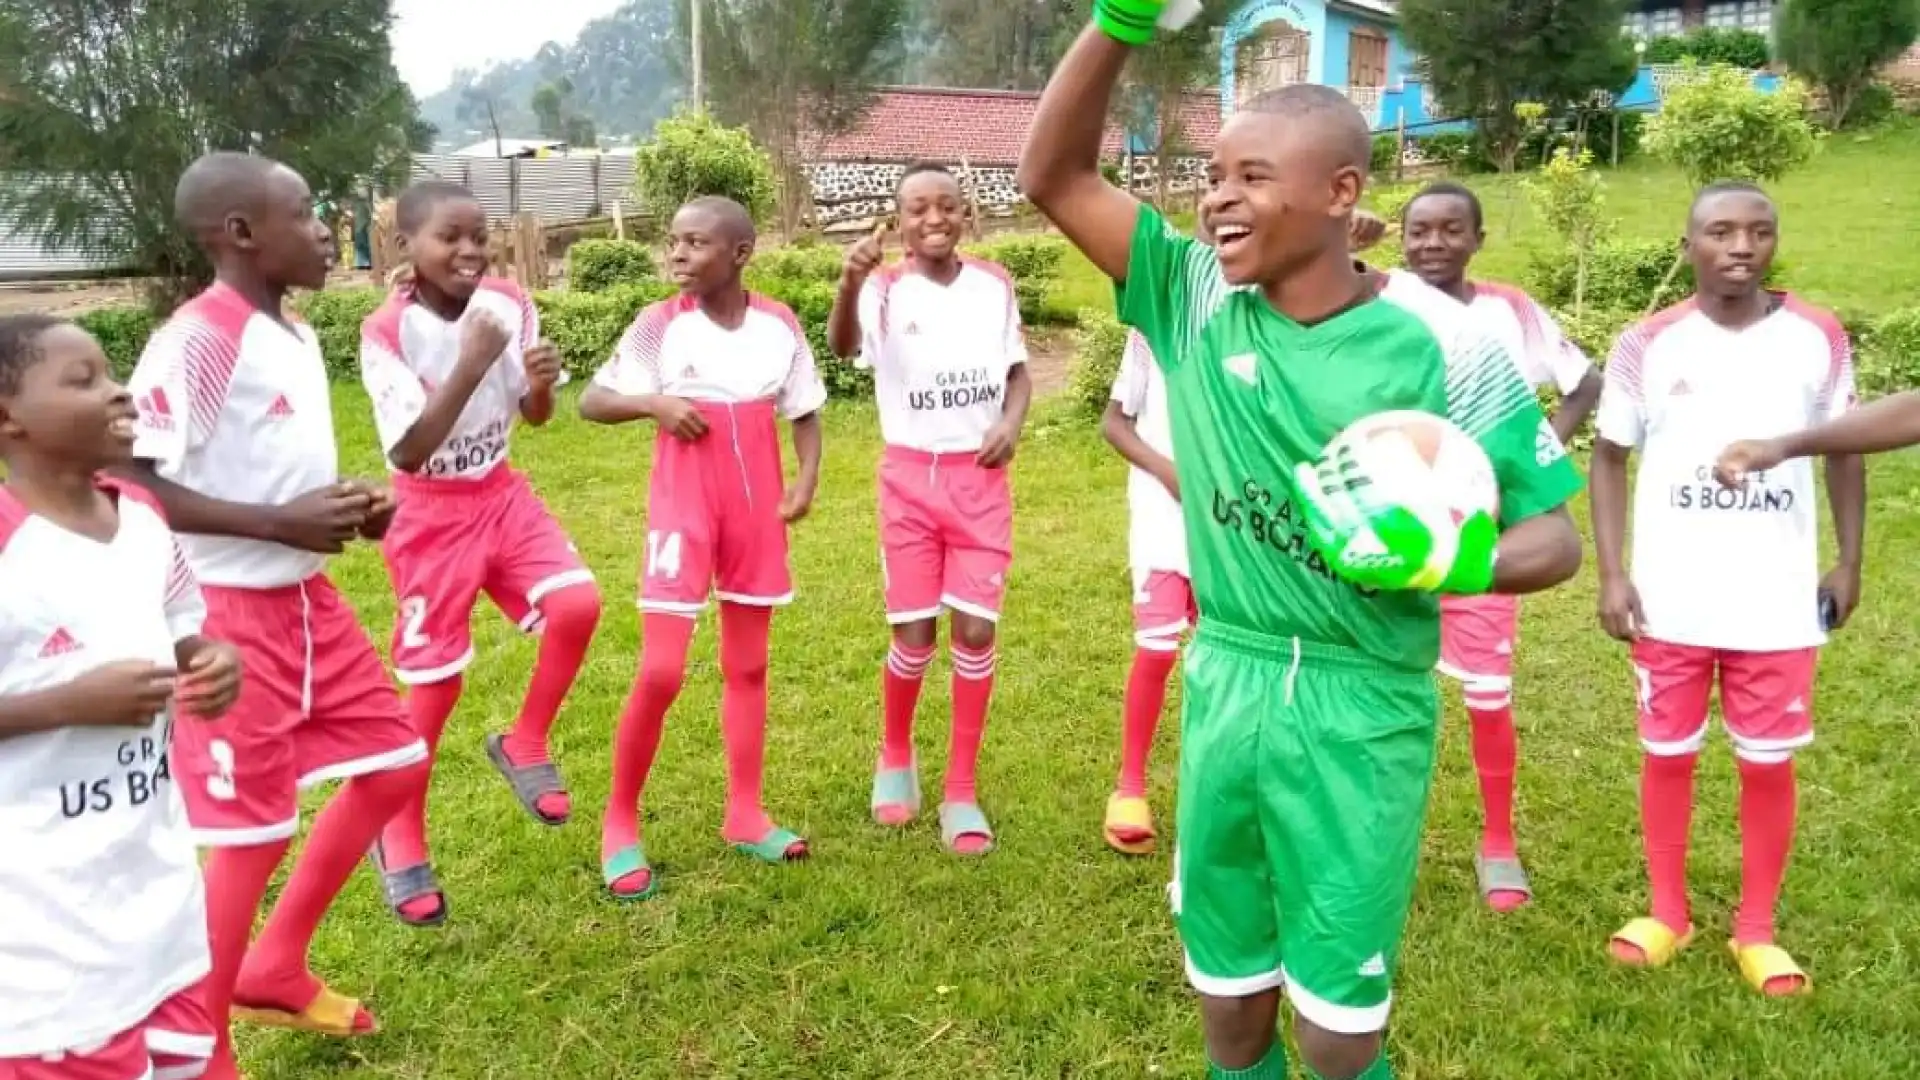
(617, 68)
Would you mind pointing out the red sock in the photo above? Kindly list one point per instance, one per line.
(663, 666)
(236, 880)
(905, 673)
(1666, 817)
(1146, 697)
(567, 621)
(404, 841)
(275, 972)
(972, 689)
(1495, 754)
(1767, 797)
(744, 648)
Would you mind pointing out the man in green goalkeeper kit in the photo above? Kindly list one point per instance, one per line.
(1310, 711)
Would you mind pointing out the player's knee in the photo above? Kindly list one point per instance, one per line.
(1239, 1030)
(972, 632)
(1334, 1055)
(573, 611)
(660, 676)
(917, 635)
(394, 785)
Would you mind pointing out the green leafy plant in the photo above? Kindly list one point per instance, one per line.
(598, 265)
(691, 155)
(1099, 342)
(1570, 197)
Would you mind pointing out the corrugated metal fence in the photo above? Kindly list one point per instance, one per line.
(556, 189)
(22, 259)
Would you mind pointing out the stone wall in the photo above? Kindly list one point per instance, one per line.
(852, 191)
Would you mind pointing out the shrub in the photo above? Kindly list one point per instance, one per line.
(122, 332)
(809, 262)
(598, 265)
(586, 326)
(1621, 274)
(1888, 356)
(1710, 45)
(335, 316)
(1595, 329)
(1035, 263)
(1872, 105)
(1457, 151)
(1600, 138)
(1715, 124)
(1098, 344)
(691, 155)
(1386, 154)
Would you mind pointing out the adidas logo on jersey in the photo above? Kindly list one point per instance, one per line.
(281, 409)
(59, 643)
(911, 328)
(690, 372)
(1547, 447)
(155, 411)
(1796, 707)
(1374, 968)
(1243, 366)
(1680, 388)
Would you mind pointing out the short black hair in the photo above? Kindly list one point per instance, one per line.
(734, 218)
(1723, 187)
(1338, 117)
(918, 167)
(20, 346)
(1448, 189)
(416, 204)
(218, 184)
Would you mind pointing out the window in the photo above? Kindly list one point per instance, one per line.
(1635, 24)
(1663, 22)
(1726, 13)
(1757, 15)
(1366, 58)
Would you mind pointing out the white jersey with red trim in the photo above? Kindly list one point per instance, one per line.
(102, 912)
(1156, 533)
(940, 354)
(234, 405)
(1719, 567)
(674, 349)
(406, 351)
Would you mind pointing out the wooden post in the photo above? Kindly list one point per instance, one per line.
(1616, 137)
(1400, 146)
(530, 252)
(386, 243)
(619, 222)
(976, 226)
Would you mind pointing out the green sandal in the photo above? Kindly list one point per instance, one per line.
(625, 863)
(778, 846)
(896, 796)
(964, 819)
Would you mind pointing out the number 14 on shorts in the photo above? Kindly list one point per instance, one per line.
(663, 554)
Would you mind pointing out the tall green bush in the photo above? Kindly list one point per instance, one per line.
(692, 155)
(598, 265)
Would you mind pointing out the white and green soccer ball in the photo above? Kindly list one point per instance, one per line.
(1414, 479)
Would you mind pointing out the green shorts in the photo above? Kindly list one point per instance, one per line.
(1304, 774)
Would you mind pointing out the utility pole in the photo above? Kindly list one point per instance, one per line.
(699, 84)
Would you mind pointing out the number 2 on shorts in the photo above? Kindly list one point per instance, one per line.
(413, 614)
(663, 554)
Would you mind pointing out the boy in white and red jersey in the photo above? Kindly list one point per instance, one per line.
(715, 369)
(1441, 232)
(235, 437)
(1137, 426)
(103, 944)
(942, 334)
(1723, 581)
(451, 361)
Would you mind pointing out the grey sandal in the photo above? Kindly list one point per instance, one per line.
(411, 883)
(1501, 875)
(528, 782)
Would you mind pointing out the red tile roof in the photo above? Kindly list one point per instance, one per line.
(985, 127)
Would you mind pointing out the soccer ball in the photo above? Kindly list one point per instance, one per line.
(1422, 465)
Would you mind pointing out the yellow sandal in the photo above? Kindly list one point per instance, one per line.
(1132, 813)
(1657, 942)
(1762, 965)
(329, 1014)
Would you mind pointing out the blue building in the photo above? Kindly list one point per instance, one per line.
(1351, 44)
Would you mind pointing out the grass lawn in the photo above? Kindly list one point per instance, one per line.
(885, 957)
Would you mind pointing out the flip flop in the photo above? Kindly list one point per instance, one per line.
(896, 795)
(407, 884)
(1502, 875)
(1657, 942)
(778, 846)
(329, 1013)
(529, 781)
(1130, 812)
(627, 862)
(1762, 965)
(964, 819)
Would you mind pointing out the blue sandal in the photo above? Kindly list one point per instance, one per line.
(964, 819)
(625, 863)
(778, 846)
(896, 788)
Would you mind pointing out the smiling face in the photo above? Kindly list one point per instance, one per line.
(1278, 196)
(932, 215)
(1730, 241)
(1440, 234)
(449, 249)
(705, 252)
(66, 405)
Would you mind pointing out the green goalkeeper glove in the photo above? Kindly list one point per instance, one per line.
(1131, 22)
(1379, 545)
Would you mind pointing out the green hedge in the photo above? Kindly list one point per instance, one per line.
(598, 265)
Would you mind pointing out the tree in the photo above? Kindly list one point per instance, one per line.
(108, 103)
(478, 110)
(1157, 80)
(1486, 56)
(1839, 45)
(1570, 196)
(791, 71)
(559, 117)
(1001, 44)
(692, 155)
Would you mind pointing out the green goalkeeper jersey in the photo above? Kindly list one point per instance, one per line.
(1251, 393)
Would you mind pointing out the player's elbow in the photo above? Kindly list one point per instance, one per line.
(597, 405)
(1114, 424)
(1538, 554)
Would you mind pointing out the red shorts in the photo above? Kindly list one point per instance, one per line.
(315, 705)
(174, 1043)
(450, 541)
(1766, 698)
(713, 515)
(1477, 638)
(1163, 609)
(946, 535)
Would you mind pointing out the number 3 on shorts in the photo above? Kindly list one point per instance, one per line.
(413, 613)
(220, 782)
(663, 555)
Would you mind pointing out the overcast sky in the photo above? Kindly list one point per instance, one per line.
(433, 37)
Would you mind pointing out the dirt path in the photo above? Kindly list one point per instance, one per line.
(1050, 360)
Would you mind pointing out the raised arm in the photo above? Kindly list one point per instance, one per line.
(1060, 165)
